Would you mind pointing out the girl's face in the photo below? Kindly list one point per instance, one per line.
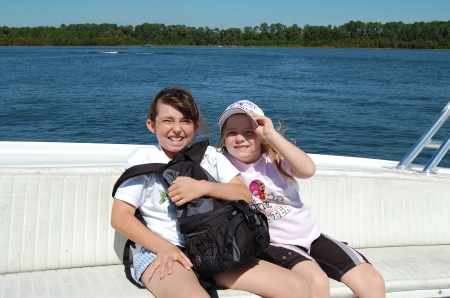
(241, 140)
(173, 130)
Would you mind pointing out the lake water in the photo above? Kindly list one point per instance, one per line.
(353, 102)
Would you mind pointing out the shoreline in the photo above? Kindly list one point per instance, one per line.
(205, 46)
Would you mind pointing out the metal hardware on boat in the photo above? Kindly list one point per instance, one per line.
(425, 141)
(437, 157)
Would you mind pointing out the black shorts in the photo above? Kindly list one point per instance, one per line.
(334, 257)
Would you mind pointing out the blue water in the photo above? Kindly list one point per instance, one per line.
(352, 102)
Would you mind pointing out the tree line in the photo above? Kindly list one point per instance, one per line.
(354, 34)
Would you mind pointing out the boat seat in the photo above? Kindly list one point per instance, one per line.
(56, 239)
(409, 268)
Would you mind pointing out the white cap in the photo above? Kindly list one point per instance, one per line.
(240, 107)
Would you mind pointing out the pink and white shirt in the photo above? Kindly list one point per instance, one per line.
(290, 220)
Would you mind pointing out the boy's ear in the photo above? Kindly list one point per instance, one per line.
(151, 126)
(196, 127)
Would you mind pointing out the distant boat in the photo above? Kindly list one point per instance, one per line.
(147, 46)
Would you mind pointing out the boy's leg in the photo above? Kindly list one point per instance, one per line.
(181, 283)
(365, 281)
(265, 279)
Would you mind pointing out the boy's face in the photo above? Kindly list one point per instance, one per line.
(173, 130)
(241, 140)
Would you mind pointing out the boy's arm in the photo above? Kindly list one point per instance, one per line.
(124, 221)
(186, 189)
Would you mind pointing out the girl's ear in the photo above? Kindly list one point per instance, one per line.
(151, 126)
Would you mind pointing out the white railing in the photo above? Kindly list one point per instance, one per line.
(425, 141)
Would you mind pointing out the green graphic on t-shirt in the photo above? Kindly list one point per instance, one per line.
(164, 197)
(171, 209)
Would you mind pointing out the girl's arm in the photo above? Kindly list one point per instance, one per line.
(301, 164)
(124, 221)
(186, 189)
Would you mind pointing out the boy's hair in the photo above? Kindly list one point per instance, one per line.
(181, 99)
(273, 153)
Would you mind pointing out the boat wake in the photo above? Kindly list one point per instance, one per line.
(106, 52)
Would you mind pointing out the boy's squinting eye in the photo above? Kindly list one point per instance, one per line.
(184, 122)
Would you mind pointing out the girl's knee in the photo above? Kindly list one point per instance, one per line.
(374, 278)
(297, 286)
(319, 280)
(374, 286)
(319, 284)
(315, 277)
(365, 281)
(378, 281)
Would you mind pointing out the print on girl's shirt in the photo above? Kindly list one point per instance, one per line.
(271, 205)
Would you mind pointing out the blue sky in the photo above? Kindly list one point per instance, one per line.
(219, 14)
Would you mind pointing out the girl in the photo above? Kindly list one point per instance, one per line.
(268, 164)
(161, 266)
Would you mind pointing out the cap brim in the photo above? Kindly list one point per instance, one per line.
(225, 115)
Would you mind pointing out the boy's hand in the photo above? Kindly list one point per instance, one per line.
(186, 189)
(166, 255)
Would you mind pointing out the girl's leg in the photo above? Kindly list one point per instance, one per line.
(265, 279)
(299, 261)
(343, 263)
(365, 281)
(316, 278)
(181, 283)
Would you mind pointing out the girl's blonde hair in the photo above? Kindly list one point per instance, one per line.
(272, 152)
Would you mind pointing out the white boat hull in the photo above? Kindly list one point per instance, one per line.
(55, 202)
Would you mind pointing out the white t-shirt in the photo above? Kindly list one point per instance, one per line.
(290, 220)
(149, 192)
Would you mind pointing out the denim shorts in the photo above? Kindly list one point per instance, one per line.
(141, 261)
